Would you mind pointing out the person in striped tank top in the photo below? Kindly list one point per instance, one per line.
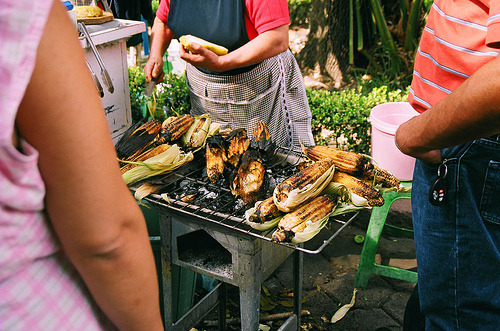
(456, 182)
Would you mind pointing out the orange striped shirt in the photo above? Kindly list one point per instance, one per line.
(460, 36)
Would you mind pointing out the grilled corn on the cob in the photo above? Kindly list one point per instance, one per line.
(383, 177)
(238, 144)
(349, 162)
(166, 161)
(197, 133)
(174, 127)
(358, 187)
(249, 179)
(144, 156)
(304, 185)
(137, 138)
(295, 222)
(265, 211)
(261, 140)
(215, 157)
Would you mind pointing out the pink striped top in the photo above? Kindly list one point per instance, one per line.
(39, 289)
(459, 38)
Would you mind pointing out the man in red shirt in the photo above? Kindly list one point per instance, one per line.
(455, 197)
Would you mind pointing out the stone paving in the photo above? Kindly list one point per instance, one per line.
(329, 279)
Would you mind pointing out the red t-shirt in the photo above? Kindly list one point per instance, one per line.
(260, 15)
(460, 36)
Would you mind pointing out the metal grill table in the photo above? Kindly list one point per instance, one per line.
(222, 254)
(223, 247)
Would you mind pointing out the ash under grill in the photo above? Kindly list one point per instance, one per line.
(191, 194)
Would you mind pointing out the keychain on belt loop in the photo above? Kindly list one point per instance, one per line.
(438, 192)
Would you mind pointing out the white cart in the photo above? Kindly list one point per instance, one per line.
(110, 41)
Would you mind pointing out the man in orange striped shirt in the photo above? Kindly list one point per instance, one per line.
(456, 183)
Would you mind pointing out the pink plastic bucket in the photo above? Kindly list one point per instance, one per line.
(385, 120)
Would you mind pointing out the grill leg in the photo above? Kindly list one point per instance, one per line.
(166, 264)
(298, 272)
(250, 306)
(222, 306)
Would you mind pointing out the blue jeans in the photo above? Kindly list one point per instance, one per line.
(458, 243)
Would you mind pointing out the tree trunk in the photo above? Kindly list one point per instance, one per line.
(327, 48)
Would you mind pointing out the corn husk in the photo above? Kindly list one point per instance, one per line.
(143, 156)
(298, 196)
(144, 190)
(192, 139)
(312, 228)
(164, 162)
(214, 129)
(400, 189)
(339, 314)
(260, 226)
(197, 140)
(347, 196)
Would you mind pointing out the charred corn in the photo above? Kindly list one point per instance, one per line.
(261, 140)
(380, 176)
(144, 156)
(137, 138)
(304, 185)
(358, 187)
(248, 183)
(238, 144)
(349, 162)
(265, 211)
(295, 222)
(215, 157)
(174, 127)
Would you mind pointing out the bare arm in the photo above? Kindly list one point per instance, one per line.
(472, 111)
(94, 215)
(264, 46)
(161, 36)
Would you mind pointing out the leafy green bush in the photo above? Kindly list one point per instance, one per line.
(299, 12)
(137, 82)
(340, 118)
(172, 96)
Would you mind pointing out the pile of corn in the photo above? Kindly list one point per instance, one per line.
(242, 160)
(335, 183)
(156, 148)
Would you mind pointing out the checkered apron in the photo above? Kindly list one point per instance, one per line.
(272, 92)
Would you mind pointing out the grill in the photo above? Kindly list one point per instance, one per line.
(209, 235)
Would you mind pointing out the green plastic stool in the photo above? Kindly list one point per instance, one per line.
(367, 265)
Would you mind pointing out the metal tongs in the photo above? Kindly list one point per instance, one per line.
(96, 81)
(104, 73)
